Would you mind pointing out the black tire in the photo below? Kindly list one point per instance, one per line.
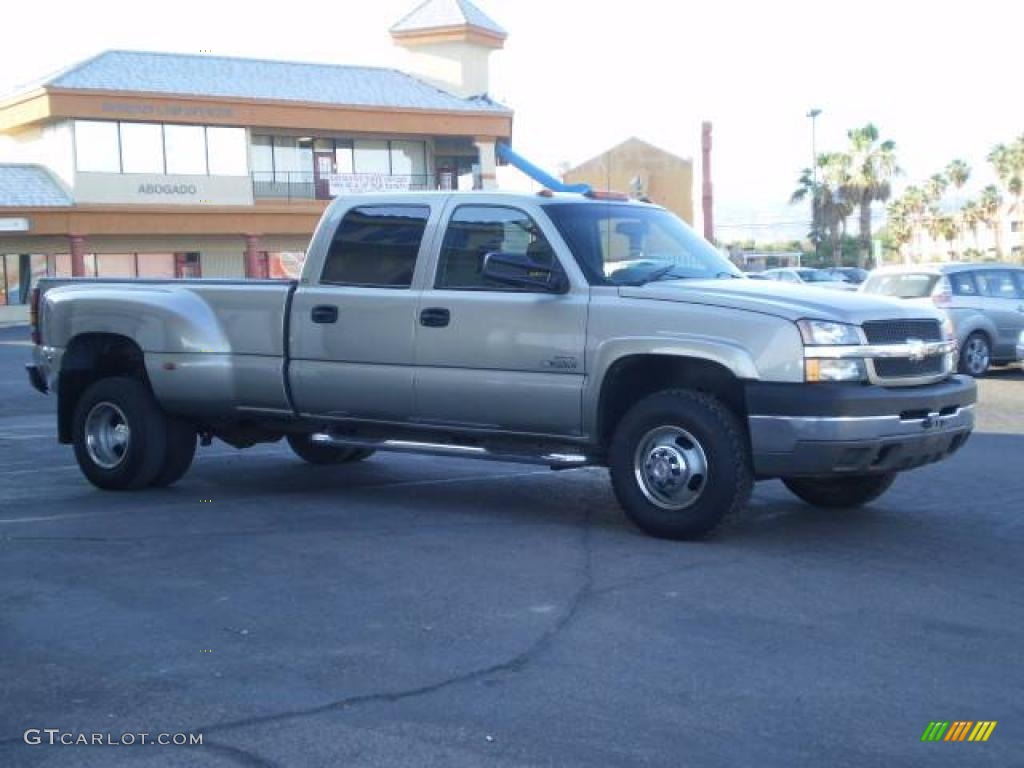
(181, 449)
(840, 492)
(656, 457)
(104, 408)
(309, 451)
(976, 355)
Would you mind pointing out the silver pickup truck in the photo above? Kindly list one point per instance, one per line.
(561, 330)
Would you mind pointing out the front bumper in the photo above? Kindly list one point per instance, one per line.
(824, 429)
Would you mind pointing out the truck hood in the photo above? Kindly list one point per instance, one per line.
(792, 302)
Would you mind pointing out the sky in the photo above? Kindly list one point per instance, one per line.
(941, 79)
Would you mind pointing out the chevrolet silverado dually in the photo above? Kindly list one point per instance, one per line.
(555, 329)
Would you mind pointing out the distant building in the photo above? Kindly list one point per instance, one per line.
(641, 170)
(146, 164)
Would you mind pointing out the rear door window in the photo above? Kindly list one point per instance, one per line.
(997, 284)
(376, 246)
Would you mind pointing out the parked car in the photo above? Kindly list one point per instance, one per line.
(853, 275)
(561, 330)
(984, 302)
(756, 276)
(816, 278)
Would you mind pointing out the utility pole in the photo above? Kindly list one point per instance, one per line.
(813, 114)
(707, 196)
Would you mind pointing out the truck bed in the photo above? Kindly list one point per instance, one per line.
(226, 338)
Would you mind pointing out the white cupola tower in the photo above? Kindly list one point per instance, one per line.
(449, 43)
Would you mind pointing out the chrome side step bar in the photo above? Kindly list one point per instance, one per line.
(553, 460)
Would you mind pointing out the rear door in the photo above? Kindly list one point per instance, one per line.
(496, 357)
(354, 328)
(1001, 301)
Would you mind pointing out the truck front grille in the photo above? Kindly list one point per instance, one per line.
(902, 367)
(899, 331)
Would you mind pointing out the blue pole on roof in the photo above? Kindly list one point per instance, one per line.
(504, 152)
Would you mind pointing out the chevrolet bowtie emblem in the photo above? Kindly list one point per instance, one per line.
(916, 353)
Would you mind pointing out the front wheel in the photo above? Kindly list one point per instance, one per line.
(315, 453)
(679, 464)
(840, 492)
(976, 356)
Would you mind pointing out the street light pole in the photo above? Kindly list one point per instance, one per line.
(813, 114)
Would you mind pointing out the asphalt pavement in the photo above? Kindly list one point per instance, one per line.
(419, 611)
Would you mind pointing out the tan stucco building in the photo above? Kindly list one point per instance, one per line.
(145, 164)
(641, 170)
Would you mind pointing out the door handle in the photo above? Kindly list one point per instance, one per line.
(324, 313)
(435, 317)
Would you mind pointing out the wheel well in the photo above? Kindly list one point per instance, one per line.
(88, 358)
(633, 378)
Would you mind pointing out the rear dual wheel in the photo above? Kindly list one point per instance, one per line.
(123, 440)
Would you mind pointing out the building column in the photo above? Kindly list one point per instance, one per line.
(488, 163)
(253, 247)
(76, 245)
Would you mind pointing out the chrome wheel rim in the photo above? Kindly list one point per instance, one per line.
(976, 354)
(671, 468)
(107, 435)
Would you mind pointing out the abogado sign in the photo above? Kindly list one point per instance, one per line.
(362, 183)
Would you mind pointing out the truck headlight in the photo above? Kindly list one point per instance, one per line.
(824, 333)
(824, 369)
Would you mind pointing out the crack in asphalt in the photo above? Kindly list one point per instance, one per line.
(515, 663)
(241, 756)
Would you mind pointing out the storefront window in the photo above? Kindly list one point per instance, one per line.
(372, 156)
(96, 147)
(185, 149)
(263, 154)
(343, 159)
(292, 159)
(226, 151)
(408, 158)
(115, 265)
(155, 266)
(142, 148)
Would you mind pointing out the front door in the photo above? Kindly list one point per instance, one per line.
(354, 328)
(323, 167)
(490, 356)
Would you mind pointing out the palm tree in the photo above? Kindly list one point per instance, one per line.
(970, 218)
(958, 172)
(1008, 163)
(948, 229)
(989, 204)
(935, 187)
(898, 224)
(915, 203)
(829, 207)
(806, 189)
(871, 168)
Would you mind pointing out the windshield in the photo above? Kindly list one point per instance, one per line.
(903, 286)
(618, 244)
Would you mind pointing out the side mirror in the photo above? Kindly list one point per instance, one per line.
(518, 270)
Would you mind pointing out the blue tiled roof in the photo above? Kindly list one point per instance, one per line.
(30, 186)
(194, 75)
(436, 14)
